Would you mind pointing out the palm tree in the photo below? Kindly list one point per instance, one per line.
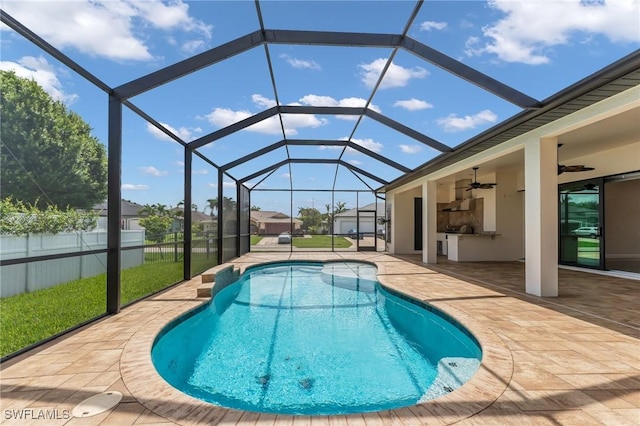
(161, 209)
(194, 207)
(213, 205)
(147, 210)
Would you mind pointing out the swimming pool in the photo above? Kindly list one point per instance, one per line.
(314, 338)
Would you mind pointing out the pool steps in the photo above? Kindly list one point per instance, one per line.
(220, 279)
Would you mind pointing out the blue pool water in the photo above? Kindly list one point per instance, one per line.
(314, 338)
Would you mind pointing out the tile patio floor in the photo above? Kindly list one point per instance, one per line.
(571, 360)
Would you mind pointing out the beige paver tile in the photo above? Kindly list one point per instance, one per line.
(609, 399)
(123, 414)
(149, 417)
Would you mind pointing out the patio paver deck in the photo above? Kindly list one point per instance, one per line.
(569, 360)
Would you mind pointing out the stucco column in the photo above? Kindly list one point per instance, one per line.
(429, 222)
(541, 217)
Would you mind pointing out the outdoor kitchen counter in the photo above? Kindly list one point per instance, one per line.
(470, 247)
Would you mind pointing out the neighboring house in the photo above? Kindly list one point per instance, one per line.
(129, 217)
(345, 221)
(273, 223)
(206, 221)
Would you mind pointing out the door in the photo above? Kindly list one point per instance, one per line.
(581, 231)
(366, 230)
(417, 223)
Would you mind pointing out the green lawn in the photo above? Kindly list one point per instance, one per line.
(320, 241)
(583, 243)
(30, 317)
(255, 239)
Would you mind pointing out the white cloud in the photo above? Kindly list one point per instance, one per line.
(396, 75)
(300, 63)
(355, 162)
(111, 29)
(193, 46)
(152, 171)
(432, 25)
(184, 133)
(410, 149)
(285, 176)
(134, 187)
(199, 172)
(263, 101)
(353, 102)
(367, 143)
(529, 29)
(413, 104)
(42, 73)
(452, 123)
(222, 117)
(225, 184)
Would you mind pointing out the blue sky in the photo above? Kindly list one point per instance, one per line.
(523, 44)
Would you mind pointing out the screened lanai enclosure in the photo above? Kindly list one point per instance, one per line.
(271, 130)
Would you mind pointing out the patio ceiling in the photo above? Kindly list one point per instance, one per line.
(288, 146)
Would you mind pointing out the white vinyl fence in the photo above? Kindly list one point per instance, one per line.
(28, 277)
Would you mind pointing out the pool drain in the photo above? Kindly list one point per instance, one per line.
(97, 404)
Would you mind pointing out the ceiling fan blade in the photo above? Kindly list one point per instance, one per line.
(487, 185)
(469, 189)
(577, 168)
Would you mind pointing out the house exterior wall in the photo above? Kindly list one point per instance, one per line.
(402, 221)
(344, 224)
(272, 228)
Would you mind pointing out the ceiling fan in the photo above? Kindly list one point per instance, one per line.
(477, 185)
(574, 168)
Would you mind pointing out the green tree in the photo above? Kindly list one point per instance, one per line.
(147, 210)
(311, 218)
(156, 227)
(228, 204)
(329, 216)
(212, 203)
(47, 151)
(255, 209)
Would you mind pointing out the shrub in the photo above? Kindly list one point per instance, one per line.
(18, 218)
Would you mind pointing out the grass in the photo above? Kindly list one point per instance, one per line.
(30, 317)
(582, 243)
(320, 241)
(255, 239)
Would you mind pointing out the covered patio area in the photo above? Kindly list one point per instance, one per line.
(573, 359)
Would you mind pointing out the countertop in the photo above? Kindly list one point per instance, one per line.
(482, 234)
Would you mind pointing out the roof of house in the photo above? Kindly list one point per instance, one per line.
(196, 216)
(268, 216)
(353, 212)
(127, 208)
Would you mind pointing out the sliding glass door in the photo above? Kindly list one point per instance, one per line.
(581, 231)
